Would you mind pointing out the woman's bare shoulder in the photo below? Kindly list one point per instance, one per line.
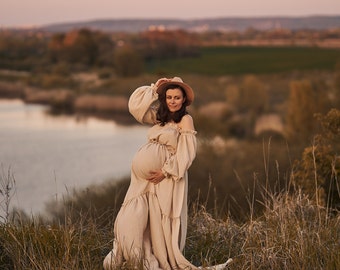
(187, 122)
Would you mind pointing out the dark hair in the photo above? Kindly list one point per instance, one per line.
(163, 114)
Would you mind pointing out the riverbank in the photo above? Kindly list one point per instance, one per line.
(67, 101)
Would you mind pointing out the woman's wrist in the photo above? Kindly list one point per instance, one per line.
(154, 89)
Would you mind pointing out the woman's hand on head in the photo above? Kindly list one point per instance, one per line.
(156, 177)
(161, 80)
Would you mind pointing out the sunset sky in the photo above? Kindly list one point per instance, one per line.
(40, 12)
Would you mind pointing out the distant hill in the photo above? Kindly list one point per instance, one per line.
(201, 25)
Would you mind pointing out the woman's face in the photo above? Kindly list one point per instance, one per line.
(174, 99)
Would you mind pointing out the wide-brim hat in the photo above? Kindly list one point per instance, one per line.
(178, 81)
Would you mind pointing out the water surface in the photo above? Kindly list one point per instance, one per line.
(49, 156)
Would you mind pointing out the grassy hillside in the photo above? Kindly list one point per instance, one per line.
(292, 233)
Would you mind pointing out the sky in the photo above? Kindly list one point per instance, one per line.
(44, 12)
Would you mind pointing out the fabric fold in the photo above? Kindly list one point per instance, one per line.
(143, 104)
(177, 165)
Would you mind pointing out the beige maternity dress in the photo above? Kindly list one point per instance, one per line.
(152, 221)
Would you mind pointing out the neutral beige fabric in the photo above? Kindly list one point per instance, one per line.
(152, 221)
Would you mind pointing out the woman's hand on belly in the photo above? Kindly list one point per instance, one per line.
(156, 177)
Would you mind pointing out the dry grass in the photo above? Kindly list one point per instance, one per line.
(33, 95)
(215, 110)
(269, 122)
(11, 90)
(34, 245)
(293, 232)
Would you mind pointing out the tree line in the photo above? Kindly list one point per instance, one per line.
(85, 49)
(129, 53)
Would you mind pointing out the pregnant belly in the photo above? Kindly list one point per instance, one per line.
(150, 157)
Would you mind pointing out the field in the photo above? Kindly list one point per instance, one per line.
(244, 60)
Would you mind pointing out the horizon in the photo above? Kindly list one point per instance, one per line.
(42, 13)
(165, 19)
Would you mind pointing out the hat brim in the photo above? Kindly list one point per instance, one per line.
(188, 90)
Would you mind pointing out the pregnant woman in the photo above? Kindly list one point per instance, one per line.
(150, 228)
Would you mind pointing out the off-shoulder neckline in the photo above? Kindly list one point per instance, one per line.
(179, 129)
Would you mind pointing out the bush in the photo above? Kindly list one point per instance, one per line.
(127, 62)
(317, 172)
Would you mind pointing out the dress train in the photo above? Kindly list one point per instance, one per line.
(108, 264)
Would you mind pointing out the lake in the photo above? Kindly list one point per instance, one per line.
(49, 155)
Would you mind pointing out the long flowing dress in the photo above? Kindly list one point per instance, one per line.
(152, 222)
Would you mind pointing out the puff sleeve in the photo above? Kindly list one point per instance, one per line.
(143, 104)
(178, 163)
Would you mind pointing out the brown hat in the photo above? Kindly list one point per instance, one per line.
(178, 81)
